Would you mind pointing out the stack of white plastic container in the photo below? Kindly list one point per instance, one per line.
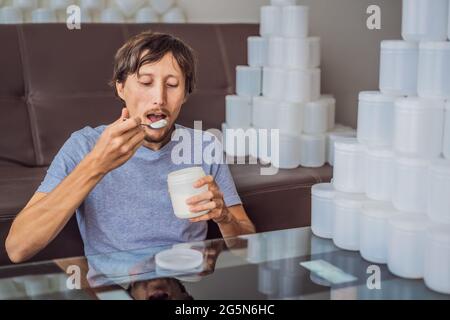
(390, 195)
(280, 89)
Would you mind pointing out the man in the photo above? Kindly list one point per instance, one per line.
(114, 176)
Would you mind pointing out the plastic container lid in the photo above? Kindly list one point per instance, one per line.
(313, 39)
(434, 45)
(379, 210)
(351, 200)
(179, 259)
(185, 174)
(350, 144)
(439, 233)
(410, 222)
(412, 162)
(324, 190)
(398, 44)
(414, 103)
(248, 68)
(322, 102)
(328, 98)
(238, 98)
(440, 167)
(376, 96)
(290, 105)
(385, 153)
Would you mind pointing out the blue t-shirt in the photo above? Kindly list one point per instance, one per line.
(130, 207)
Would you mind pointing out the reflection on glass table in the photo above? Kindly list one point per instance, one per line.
(285, 264)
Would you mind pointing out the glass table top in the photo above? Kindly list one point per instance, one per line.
(285, 264)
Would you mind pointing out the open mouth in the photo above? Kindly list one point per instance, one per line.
(154, 117)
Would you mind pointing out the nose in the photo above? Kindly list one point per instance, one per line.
(159, 95)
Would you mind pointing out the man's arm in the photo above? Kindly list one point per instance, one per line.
(45, 215)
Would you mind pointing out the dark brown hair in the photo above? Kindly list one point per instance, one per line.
(129, 58)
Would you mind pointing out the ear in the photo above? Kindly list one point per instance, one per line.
(120, 88)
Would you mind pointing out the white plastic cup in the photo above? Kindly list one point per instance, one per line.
(236, 146)
(180, 185)
(446, 149)
(257, 51)
(398, 67)
(289, 118)
(434, 70)
(438, 208)
(289, 152)
(111, 15)
(161, 6)
(174, 15)
(10, 15)
(248, 81)
(424, 20)
(147, 15)
(375, 119)
(349, 166)
(334, 136)
(406, 245)
(322, 209)
(43, 15)
(262, 113)
(302, 85)
(374, 229)
(274, 83)
(283, 2)
(238, 111)
(437, 258)
(275, 53)
(379, 173)
(410, 185)
(348, 209)
(316, 116)
(295, 21)
(419, 127)
(270, 22)
(301, 52)
(313, 150)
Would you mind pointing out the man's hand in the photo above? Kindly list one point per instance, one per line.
(118, 143)
(218, 210)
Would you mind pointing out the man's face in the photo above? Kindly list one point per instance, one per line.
(156, 93)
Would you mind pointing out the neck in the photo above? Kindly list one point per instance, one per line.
(155, 146)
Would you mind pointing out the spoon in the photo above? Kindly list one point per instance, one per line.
(157, 125)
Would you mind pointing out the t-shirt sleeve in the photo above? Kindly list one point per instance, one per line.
(65, 161)
(222, 175)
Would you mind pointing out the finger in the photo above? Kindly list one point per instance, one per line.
(132, 133)
(123, 115)
(204, 180)
(126, 125)
(210, 205)
(135, 140)
(208, 195)
(204, 217)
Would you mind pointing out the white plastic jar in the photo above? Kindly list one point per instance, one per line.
(274, 83)
(437, 258)
(275, 52)
(257, 51)
(410, 185)
(302, 85)
(398, 67)
(347, 212)
(180, 185)
(332, 137)
(270, 23)
(289, 118)
(288, 156)
(406, 245)
(295, 21)
(238, 111)
(322, 210)
(434, 70)
(375, 119)
(379, 173)
(331, 102)
(374, 229)
(349, 166)
(312, 150)
(438, 208)
(248, 81)
(301, 52)
(446, 150)
(263, 111)
(419, 127)
(424, 20)
(316, 116)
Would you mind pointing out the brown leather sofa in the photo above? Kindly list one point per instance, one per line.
(53, 81)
